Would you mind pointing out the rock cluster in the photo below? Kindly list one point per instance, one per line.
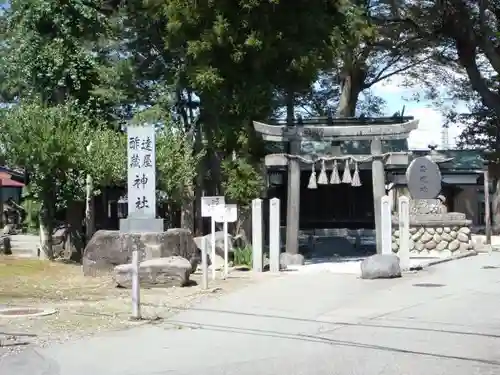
(159, 272)
(108, 248)
(440, 241)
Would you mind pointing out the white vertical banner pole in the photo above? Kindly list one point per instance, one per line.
(213, 246)
(136, 291)
(386, 219)
(226, 251)
(404, 232)
(204, 263)
(257, 263)
(274, 235)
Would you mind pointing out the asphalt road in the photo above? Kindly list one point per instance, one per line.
(443, 320)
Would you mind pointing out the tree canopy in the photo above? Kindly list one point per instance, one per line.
(76, 73)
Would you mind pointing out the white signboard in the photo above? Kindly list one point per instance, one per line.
(228, 214)
(209, 205)
(141, 171)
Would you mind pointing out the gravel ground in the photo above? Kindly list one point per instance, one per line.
(80, 317)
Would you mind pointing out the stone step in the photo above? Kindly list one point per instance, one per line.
(24, 243)
(25, 253)
(24, 238)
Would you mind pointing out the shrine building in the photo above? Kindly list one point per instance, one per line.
(329, 173)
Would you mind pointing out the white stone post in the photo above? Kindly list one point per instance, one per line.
(404, 232)
(204, 263)
(136, 286)
(274, 235)
(257, 235)
(386, 225)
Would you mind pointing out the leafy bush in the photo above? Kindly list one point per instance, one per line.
(242, 181)
(243, 256)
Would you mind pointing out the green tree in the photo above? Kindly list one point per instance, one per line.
(49, 49)
(242, 183)
(50, 143)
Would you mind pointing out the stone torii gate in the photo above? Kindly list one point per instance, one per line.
(335, 130)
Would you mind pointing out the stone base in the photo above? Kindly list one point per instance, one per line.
(435, 241)
(134, 225)
(287, 259)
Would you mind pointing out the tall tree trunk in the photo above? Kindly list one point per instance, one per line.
(198, 145)
(47, 227)
(351, 86)
(187, 209)
(495, 205)
(89, 209)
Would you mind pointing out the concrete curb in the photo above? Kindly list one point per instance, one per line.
(444, 260)
(41, 312)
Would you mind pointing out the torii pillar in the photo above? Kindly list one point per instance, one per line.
(293, 201)
(378, 182)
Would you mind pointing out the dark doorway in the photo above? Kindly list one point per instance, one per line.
(337, 206)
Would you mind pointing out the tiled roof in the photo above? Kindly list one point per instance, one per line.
(463, 160)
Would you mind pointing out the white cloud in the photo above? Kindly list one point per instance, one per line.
(430, 128)
(390, 87)
(431, 120)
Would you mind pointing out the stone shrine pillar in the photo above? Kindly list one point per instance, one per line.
(378, 181)
(293, 200)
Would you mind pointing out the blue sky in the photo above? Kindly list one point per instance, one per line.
(431, 120)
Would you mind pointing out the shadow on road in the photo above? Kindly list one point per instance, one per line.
(333, 323)
(324, 340)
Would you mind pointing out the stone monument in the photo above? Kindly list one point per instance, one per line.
(141, 230)
(141, 187)
(434, 232)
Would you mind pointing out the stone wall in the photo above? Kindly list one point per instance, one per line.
(435, 241)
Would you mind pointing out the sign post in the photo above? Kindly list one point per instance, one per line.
(226, 214)
(209, 208)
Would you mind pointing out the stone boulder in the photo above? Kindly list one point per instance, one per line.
(5, 245)
(380, 266)
(108, 248)
(219, 248)
(154, 273)
(68, 243)
(9, 229)
(287, 259)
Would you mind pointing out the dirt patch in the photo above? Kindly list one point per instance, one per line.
(87, 305)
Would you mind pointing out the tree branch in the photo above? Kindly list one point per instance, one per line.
(467, 56)
(381, 76)
(484, 39)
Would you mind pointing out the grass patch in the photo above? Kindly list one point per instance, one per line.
(44, 280)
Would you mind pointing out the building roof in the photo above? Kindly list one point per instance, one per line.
(463, 160)
(7, 181)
